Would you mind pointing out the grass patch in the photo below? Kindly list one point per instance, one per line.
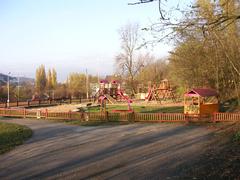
(236, 137)
(12, 135)
(171, 109)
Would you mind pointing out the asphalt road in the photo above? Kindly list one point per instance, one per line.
(135, 151)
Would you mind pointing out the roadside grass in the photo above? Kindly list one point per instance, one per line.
(230, 131)
(229, 106)
(141, 109)
(236, 137)
(221, 157)
(12, 135)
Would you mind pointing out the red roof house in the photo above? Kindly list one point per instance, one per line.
(201, 101)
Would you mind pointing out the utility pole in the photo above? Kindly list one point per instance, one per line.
(87, 83)
(8, 100)
(18, 89)
(98, 77)
(99, 65)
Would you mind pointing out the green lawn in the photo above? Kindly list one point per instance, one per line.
(142, 109)
(12, 135)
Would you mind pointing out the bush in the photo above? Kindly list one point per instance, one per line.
(12, 135)
(236, 137)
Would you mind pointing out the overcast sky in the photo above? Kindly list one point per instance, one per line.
(69, 35)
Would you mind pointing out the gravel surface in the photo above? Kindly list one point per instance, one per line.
(134, 151)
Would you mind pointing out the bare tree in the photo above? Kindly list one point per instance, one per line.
(128, 64)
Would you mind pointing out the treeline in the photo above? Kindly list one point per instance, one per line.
(46, 86)
(45, 83)
(22, 92)
(76, 86)
(80, 84)
(208, 57)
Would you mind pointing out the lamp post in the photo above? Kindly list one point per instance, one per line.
(87, 83)
(8, 100)
(18, 89)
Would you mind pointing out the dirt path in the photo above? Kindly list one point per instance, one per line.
(135, 151)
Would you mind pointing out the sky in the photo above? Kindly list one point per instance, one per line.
(68, 35)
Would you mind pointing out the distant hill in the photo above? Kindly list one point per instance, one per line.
(4, 78)
(14, 80)
(23, 80)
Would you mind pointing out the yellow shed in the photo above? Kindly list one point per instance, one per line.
(201, 101)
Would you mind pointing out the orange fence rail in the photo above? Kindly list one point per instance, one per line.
(94, 116)
(106, 116)
(224, 117)
(163, 117)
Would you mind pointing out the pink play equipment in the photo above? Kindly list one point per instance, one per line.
(102, 100)
(112, 93)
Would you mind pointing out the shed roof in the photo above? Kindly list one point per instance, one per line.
(104, 81)
(204, 92)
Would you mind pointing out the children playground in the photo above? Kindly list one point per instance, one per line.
(112, 103)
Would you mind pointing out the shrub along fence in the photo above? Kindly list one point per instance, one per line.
(110, 116)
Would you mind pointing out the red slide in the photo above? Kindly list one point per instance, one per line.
(120, 93)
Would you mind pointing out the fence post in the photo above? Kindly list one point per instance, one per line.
(186, 118)
(24, 113)
(132, 117)
(46, 113)
(38, 114)
(87, 114)
(106, 116)
(82, 116)
(70, 115)
(160, 117)
(214, 117)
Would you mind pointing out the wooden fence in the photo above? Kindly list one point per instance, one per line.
(94, 116)
(110, 116)
(225, 117)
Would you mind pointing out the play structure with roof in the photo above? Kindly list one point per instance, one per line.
(112, 92)
(201, 101)
(161, 92)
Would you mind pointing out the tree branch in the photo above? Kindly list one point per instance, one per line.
(141, 2)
